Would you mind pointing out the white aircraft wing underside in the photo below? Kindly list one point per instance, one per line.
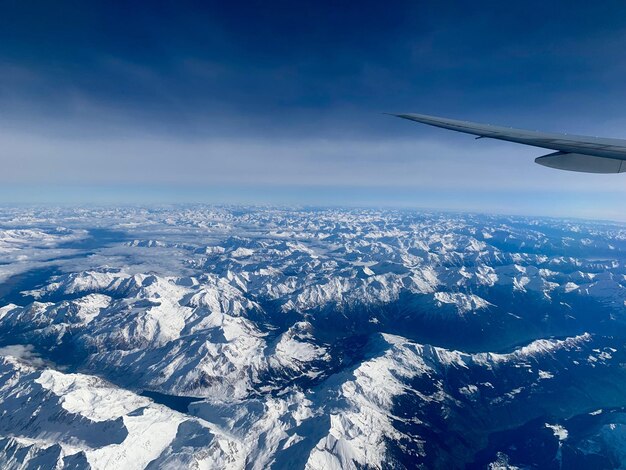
(574, 152)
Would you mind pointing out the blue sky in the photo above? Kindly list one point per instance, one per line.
(281, 102)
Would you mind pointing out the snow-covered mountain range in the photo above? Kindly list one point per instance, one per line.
(235, 337)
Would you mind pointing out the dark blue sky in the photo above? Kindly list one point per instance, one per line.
(286, 97)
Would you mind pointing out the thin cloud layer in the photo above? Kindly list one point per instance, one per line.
(282, 96)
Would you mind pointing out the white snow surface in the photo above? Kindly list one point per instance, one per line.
(248, 313)
(106, 426)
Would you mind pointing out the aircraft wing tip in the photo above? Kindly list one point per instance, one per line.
(400, 115)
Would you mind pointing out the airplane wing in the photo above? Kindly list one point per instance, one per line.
(573, 152)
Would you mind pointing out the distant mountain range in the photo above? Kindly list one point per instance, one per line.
(239, 337)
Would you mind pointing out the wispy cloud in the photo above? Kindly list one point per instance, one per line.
(290, 97)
